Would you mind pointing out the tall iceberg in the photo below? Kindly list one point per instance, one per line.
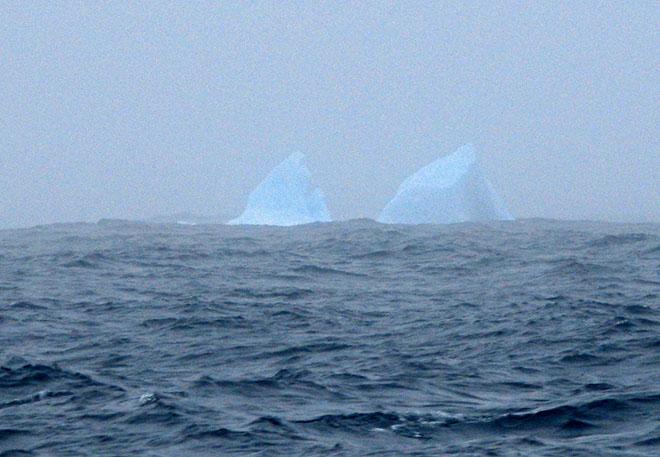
(451, 189)
(286, 197)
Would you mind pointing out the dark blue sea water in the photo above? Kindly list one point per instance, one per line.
(529, 338)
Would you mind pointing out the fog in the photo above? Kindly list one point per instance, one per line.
(135, 109)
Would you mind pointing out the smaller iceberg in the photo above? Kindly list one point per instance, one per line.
(286, 197)
(452, 189)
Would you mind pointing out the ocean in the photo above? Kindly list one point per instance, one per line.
(526, 338)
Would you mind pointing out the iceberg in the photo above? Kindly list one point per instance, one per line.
(451, 189)
(286, 197)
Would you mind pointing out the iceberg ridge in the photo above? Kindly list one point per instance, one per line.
(286, 197)
(452, 189)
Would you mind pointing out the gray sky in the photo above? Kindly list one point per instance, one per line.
(127, 109)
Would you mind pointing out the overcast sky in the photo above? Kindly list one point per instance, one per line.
(133, 109)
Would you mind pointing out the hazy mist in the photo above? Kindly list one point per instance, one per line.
(134, 109)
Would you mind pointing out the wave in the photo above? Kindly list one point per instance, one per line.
(17, 453)
(389, 340)
(374, 255)
(89, 261)
(620, 240)
(570, 267)
(288, 293)
(353, 421)
(184, 324)
(579, 417)
(300, 381)
(27, 306)
(325, 271)
(35, 383)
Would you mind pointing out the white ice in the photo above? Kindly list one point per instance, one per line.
(286, 197)
(451, 189)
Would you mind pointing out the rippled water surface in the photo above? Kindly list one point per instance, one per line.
(531, 338)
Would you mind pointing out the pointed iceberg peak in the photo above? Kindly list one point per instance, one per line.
(452, 189)
(286, 197)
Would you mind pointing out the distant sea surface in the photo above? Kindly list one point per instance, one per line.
(527, 338)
